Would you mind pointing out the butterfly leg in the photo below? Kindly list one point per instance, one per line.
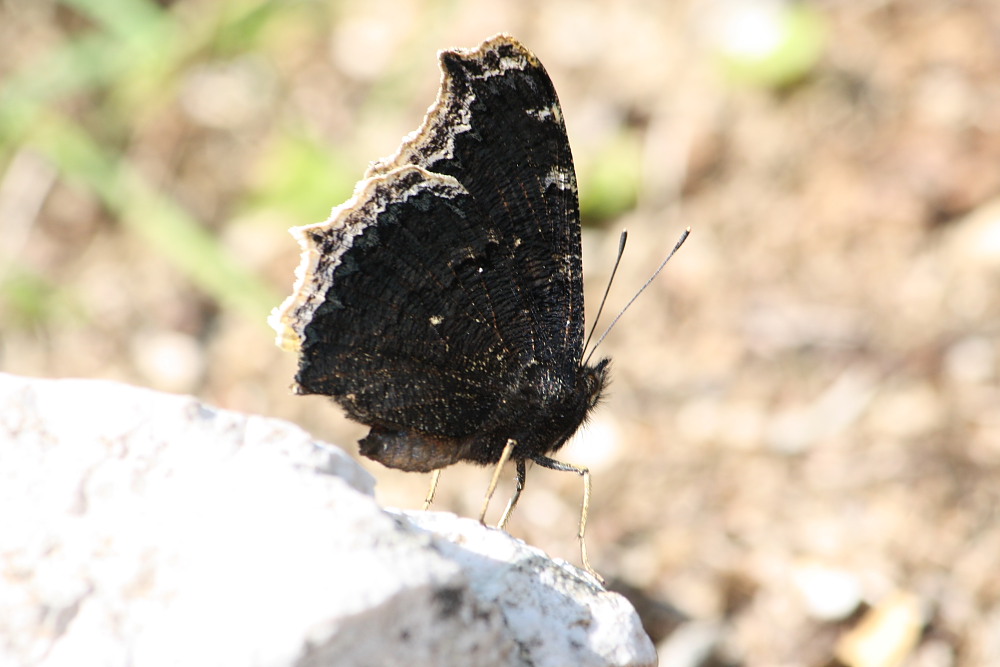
(504, 457)
(552, 464)
(435, 476)
(518, 487)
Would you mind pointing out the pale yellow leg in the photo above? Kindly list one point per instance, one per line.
(552, 464)
(583, 525)
(435, 476)
(504, 457)
(519, 486)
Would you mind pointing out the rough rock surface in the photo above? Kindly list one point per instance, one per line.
(143, 528)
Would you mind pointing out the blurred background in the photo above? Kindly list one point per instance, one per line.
(799, 459)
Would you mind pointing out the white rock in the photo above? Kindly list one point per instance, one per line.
(139, 528)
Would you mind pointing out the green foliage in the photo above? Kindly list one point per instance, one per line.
(29, 300)
(789, 55)
(299, 175)
(609, 181)
(78, 103)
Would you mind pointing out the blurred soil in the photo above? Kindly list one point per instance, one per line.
(799, 460)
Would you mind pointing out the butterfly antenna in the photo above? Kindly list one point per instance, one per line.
(642, 289)
(604, 299)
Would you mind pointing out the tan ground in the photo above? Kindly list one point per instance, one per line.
(804, 414)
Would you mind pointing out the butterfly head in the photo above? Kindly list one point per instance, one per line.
(592, 382)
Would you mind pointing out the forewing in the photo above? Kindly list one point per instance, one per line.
(497, 127)
(450, 285)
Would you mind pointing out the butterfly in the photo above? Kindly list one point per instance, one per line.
(442, 304)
